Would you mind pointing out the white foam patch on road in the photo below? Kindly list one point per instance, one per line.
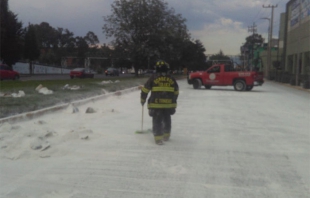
(44, 136)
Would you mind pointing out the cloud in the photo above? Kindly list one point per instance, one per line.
(205, 18)
(225, 34)
(78, 16)
(235, 5)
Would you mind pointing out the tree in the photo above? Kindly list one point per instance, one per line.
(145, 29)
(220, 57)
(66, 44)
(11, 35)
(254, 39)
(31, 49)
(91, 38)
(46, 35)
(82, 48)
(65, 39)
(193, 57)
(251, 42)
(92, 42)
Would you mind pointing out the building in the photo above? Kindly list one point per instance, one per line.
(296, 41)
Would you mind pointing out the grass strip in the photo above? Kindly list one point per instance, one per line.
(34, 101)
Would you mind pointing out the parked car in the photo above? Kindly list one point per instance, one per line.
(81, 73)
(149, 71)
(7, 73)
(112, 72)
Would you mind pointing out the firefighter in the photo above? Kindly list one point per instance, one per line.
(162, 101)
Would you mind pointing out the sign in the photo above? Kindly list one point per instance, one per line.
(300, 12)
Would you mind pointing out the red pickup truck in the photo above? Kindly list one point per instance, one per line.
(226, 75)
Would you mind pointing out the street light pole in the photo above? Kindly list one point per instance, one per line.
(269, 48)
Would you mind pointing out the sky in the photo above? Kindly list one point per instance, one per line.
(218, 24)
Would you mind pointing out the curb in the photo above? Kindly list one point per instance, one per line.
(37, 113)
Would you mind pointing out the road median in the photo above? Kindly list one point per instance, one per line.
(40, 112)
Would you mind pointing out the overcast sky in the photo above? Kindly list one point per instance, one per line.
(219, 24)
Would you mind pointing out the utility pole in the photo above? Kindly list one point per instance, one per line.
(252, 29)
(270, 39)
(268, 50)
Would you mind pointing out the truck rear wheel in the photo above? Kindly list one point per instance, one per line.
(208, 86)
(239, 85)
(196, 83)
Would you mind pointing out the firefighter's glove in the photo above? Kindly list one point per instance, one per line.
(142, 103)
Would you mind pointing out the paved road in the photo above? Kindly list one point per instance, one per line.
(225, 144)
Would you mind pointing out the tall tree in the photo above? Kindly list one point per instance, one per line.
(11, 35)
(31, 49)
(66, 44)
(65, 39)
(254, 39)
(82, 48)
(251, 42)
(144, 28)
(91, 38)
(46, 35)
(193, 57)
(92, 41)
(220, 57)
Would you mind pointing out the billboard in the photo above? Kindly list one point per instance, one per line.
(299, 12)
(305, 9)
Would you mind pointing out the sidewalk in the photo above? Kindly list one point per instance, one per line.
(289, 85)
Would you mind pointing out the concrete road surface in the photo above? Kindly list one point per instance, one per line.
(224, 144)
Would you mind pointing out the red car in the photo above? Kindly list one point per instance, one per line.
(7, 73)
(80, 73)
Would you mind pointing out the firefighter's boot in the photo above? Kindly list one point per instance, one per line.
(159, 140)
(166, 136)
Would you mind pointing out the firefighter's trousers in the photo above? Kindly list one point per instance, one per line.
(161, 122)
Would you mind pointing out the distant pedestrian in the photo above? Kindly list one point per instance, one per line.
(163, 101)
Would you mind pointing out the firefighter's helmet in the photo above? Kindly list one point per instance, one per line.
(161, 66)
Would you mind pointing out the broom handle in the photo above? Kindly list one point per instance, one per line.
(142, 118)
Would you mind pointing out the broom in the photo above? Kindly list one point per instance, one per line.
(142, 131)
